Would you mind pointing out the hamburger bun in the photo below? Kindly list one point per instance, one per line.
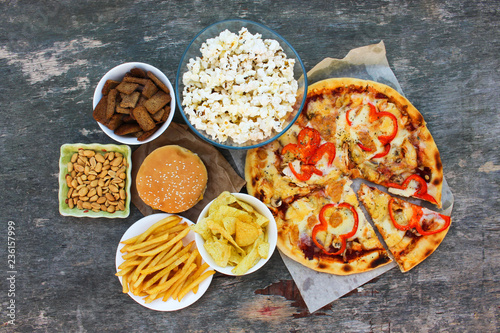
(171, 179)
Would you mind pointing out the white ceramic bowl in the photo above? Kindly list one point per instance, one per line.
(117, 73)
(272, 234)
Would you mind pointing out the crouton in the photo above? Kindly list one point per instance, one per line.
(165, 114)
(149, 89)
(158, 82)
(138, 72)
(130, 101)
(121, 110)
(110, 108)
(127, 128)
(127, 87)
(108, 85)
(135, 106)
(134, 79)
(114, 122)
(147, 134)
(155, 103)
(143, 118)
(99, 113)
(158, 115)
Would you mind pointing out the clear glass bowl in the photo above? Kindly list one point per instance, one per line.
(193, 51)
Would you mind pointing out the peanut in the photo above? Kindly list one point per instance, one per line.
(89, 153)
(99, 158)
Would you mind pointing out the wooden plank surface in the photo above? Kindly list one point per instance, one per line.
(445, 55)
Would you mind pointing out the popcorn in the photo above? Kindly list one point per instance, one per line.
(241, 88)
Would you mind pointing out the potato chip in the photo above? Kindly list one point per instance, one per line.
(224, 199)
(202, 229)
(234, 212)
(217, 229)
(261, 220)
(245, 206)
(218, 250)
(229, 223)
(247, 262)
(246, 233)
(235, 257)
(263, 250)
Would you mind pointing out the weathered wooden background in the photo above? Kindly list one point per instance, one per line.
(445, 55)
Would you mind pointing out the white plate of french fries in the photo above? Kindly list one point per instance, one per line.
(159, 265)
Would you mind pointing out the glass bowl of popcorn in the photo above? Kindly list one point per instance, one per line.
(240, 85)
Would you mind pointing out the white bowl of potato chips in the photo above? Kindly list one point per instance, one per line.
(235, 234)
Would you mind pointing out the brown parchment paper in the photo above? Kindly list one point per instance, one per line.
(221, 176)
(368, 63)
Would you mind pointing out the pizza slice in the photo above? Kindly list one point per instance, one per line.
(327, 232)
(412, 233)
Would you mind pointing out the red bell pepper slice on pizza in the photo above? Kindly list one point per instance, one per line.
(309, 139)
(325, 148)
(323, 226)
(415, 220)
(384, 139)
(386, 150)
(309, 151)
(375, 115)
(421, 191)
(306, 171)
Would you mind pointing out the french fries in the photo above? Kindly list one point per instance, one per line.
(158, 266)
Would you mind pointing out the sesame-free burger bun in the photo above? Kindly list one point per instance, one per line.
(171, 179)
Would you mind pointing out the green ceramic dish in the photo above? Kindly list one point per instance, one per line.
(67, 150)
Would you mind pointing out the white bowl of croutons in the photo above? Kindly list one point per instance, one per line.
(134, 103)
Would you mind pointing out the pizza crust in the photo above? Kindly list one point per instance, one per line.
(332, 265)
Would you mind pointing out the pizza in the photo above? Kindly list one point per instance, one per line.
(348, 129)
(411, 232)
